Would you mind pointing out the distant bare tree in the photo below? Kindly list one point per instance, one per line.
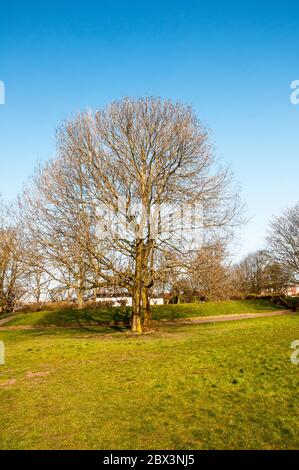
(276, 277)
(210, 272)
(56, 233)
(36, 281)
(283, 240)
(204, 274)
(257, 273)
(11, 282)
(249, 273)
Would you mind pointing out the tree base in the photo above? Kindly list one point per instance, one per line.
(136, 326)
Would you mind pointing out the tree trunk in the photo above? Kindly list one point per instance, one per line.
(142, 283)
(80, 298)
(69, 295)
(136, 326)
(146, 306)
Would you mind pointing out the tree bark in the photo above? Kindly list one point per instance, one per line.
(136, 325)
(143, 282)
(147, 316)
(80, 298)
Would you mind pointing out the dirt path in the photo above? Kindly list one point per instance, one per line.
(6, 320)
(222, 318)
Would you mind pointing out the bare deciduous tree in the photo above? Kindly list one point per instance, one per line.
(249, 273)
(210, 273)
(153, 152)
(283, 240)
(11, 286)
(56, 231)
(257, 273)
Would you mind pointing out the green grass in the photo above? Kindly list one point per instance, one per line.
(92, 316)
(228, 307)
(62, 318)
(228, 385)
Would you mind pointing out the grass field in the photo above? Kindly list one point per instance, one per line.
(228, 307)
(229, 385)
(93, 316)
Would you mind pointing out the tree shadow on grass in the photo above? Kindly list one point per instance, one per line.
(86, 319)
(67, 332)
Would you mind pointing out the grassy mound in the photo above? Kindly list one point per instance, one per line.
(95, 316)
(229, 307)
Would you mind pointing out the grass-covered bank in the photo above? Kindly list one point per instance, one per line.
(92, 316)
(228, 307)
(228, 385)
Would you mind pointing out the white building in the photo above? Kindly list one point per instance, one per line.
(118, 301)
(292, 291)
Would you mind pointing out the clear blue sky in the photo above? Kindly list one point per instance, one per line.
(233, 61)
